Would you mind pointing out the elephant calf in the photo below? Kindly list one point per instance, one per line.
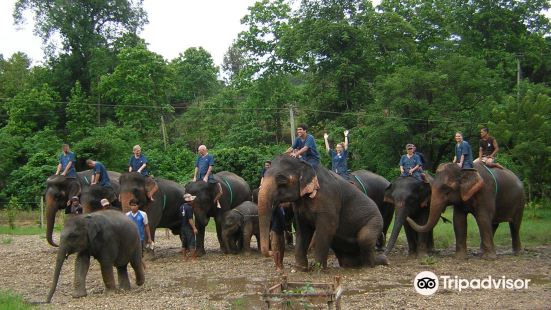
(109, 236)
(239, 226)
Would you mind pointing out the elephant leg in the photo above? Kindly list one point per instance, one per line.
(367, 239)
(136, 263)
(486, 236)
(108, 275)
(460, 231)
(223, 247)
(247, 235)
(411, 236)
(200, 240)
(122, 273)
(323, 238)
(514, 227)
(82, 264)
(303, 238)
(430, 242)
(494, 228)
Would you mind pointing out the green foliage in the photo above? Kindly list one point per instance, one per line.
(80, 114)
(12, 301)
(176, 163)
(14, 74)
(12, 210)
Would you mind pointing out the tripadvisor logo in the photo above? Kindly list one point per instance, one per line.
(427, 283)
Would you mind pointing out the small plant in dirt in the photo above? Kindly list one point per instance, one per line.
(316, 267)
(6, 240)
(306, 288)
(12, 209)
(428, 260)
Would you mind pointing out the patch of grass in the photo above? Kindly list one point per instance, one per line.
(239, 303)
(6, 240)
(28, 230)
(534, 230)
(9, 300)
(428, 260)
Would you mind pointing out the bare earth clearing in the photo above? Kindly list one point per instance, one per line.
(218, 281)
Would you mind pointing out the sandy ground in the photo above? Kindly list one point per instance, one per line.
(218, 281)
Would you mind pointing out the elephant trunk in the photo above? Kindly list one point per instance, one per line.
(399, 219)
(265, 202)
(51, 210)
(437, 204)
(61, 255)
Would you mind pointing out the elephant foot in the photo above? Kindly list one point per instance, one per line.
(79, 294)
(125, 286)
(201, 252)
(381, 259)
(489, 255)
(461, 255)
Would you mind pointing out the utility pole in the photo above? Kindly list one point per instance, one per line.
(163, 131)
(292, 121)
(518, 78)
(99, 112)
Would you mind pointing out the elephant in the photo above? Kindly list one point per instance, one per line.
(491, 195)
(374, 186)
(410, 197)
(343, 218)
(238, 227)
(234, 191)
(111, 238)
(289, 218)
(59, 189)
(163, 210)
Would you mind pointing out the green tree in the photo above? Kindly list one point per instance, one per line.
(14, 74)
(80, 114)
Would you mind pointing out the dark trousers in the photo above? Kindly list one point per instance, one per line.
(187, 237)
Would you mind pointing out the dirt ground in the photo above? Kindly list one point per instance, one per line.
(218, 281)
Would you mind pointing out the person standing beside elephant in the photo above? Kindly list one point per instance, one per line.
(188, 229)
(99, 173)
(203, 171)
(140, 219)
(338, 156)
(463, 152)
(304, 147)
(138, 163)
(410, 164)
(66, 166)
(488, 149)
(277, 237)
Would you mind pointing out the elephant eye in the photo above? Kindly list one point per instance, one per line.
(281, 179)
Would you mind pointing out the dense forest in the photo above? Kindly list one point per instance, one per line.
(405, 71)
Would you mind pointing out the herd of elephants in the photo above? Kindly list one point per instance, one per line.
(349, 217)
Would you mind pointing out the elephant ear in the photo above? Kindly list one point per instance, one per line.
(74, 189)
(471, 183)
(425, 191)
(309, 184)
(388, 194)
(95, 232)
(150, 186)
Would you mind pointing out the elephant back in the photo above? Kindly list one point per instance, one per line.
(235, 189)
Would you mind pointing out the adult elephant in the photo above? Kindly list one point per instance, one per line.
(163, 210)
(289, 218)
(374, 186)
(59, 189)
(410, 197)
(343, 218)
(234, 191)
(491, 195)
(109, 236)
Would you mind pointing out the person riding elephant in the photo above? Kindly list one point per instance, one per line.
(59, 189)
(67, 161)
(235, 190)
(138, 163)
(374, 186)
(239, 226)
(491, 195)
(163, 210)
(108, 236)
(343, 218)
(410, 197)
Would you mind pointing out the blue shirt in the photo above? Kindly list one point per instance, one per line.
(136, 163)
(140, 219)
(187, 214)
(464, 148)
(203, 163)
(408, 163)
(311, 156)
(104, 177)
(338, 162)
(64, 160)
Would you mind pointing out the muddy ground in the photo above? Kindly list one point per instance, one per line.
(218, 281)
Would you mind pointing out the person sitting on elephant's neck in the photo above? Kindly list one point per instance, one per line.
(463, 153)
(105, 204)
(75, 207)
(99, 173)
(304, 147)
(66, 166)
(267, 165)
(277, 237)
(138, 163)
(410, 164)
(338, 156)
(188, 229)
(140, 219)
(203, 171)
(488, 149)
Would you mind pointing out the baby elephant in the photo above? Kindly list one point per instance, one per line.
(238, 227)
(109, 236)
